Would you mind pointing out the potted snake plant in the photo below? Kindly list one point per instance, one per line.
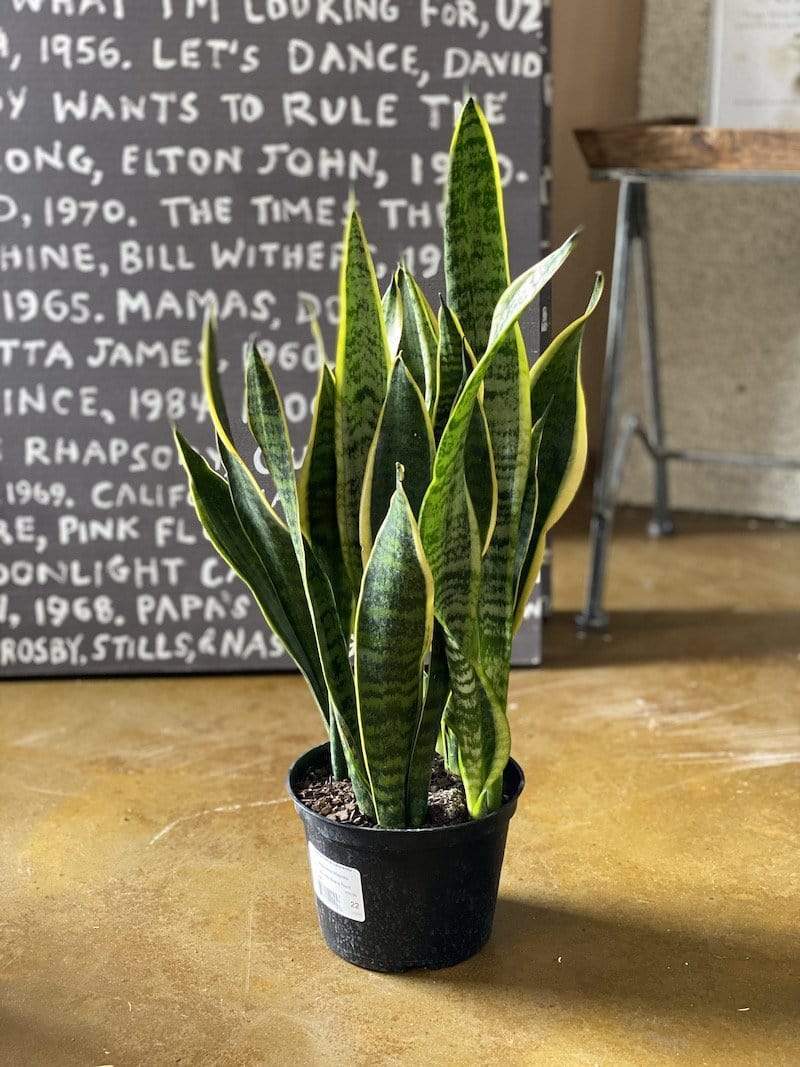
(396, 564)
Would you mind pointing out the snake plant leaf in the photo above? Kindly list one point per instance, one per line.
(511, 443)
(530, 504)
(362, 368)
(436, 694)
(475, 716)
(482, 475)
(475, 241)
(478, 723)
(448, 747)
(261, 526)
(456, 360)
(419, 342)
(456, 568)
(449, 367)
(508, 414)
(393, 315)
(422, 301)
(215, 398)
(555, 384)
(394, 622)
(316, 489)
(265, 532)
(316, 331)
(479, 464)
(267, 422)
(443, 526)
(270, 573)
(404, 435)
(212, 386)
(517, 298)
(477, 275)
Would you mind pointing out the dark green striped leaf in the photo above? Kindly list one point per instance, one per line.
(316, 489)
(267, 422)
(262, 528)
(316, 331)
(477, 275)
(555, 385)
(437, 692)
(481, 475)
(449, 364)
(448, 746)
(394, 621)
(508, 415)
(393, 316)
(456, 568)
(456, 362)
(419, 342)
(362, 367)
(405, 436)
(479, 463)
(475, 246)
(269, 569)
(212, 386)
(530, 504)
(445, 529)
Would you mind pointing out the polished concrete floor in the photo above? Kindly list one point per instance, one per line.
(154, 898)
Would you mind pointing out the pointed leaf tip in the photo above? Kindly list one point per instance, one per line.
(597, 293)
(180, 441)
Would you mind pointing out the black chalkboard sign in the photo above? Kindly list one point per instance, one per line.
(158, 154)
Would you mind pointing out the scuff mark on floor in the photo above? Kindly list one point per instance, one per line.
(222, 809)
(733, 744)
(736, 761)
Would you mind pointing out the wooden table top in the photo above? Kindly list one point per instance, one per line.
(672, 148)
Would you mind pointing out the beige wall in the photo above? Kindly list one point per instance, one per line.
(596, 72)
(727, 265)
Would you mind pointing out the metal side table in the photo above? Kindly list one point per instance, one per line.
(635, 156)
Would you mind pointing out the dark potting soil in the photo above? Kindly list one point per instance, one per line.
(447, 804)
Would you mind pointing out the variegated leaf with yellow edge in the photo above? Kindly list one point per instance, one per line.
(394, 622)
(419, 341)
(556, 388)
(267, 422)
(452, 546)
(362, 369)
(404, 435)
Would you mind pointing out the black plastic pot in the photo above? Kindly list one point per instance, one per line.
(393, 900)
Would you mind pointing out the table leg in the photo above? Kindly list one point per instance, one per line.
(593, 616)
(661, 523)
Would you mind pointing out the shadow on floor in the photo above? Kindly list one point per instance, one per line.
(659, 636)
(579, 956)
(46, 1038)
(631, 521)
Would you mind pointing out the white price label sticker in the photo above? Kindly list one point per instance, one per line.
(337, 886)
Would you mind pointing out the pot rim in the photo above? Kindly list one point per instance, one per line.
(506, 809)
